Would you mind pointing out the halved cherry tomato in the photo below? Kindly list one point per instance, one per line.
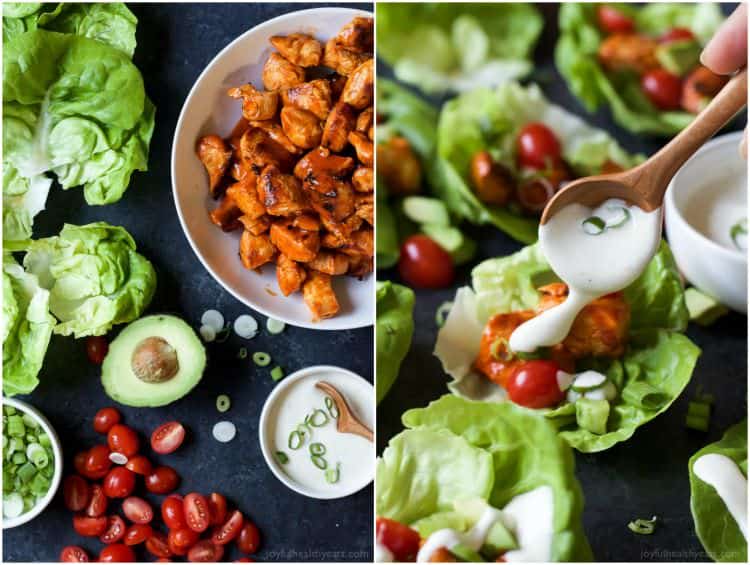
(167, 437)
(88, 526)
(249, 539)
(137, 533)
(612, 20)
(196, 512)
(676, 34)
(76, 493)
(534, 384)
(96, 348)
(537, 146)
(217, 508)
(115, 530)
(105, 419)
(117, 553)
(74, 554)
(98, 503)
(157, 545)
(172, 512)
(401, 540)
(123, 439)
(97, 462)
(424, 264)
(119, 483)
(181, 540)
(205, 552)
(662, 88)
(140, 465)
(137, 510)
(162, 480)
(229, 530)
(79, 463)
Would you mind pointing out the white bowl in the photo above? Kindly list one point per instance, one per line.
(350, 385)
(56, 477)
(208, 109)
(718, 271)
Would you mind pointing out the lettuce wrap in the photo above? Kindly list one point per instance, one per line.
(655, 368)
(714, 525)
(490, 120)
(455, 451)
(576, 59)
(394, 325)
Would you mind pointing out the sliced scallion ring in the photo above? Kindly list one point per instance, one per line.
(500, 350)
(642, 526)
(282, 457)
(319, 461)
(224, 431)
(333, 410)
(207, 333)
(332, 474)
(275, 326)
(277, 373)
(441, 314)
(222, 335)
(296, 439)
(242, 353)
(593, 225)
(213, 319)
(317, 448)
(622, 217)
(261, 358)
(737, 232)
(223, 403)
(246, 326)
(318, 418)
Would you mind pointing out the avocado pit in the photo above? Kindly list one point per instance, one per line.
(154, 360)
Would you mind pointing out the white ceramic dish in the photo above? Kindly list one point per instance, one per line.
(56, 449)
(208, 109)
(716, 270)
(360, 396)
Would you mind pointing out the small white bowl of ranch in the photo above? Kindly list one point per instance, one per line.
(299, 439)
(706, 220)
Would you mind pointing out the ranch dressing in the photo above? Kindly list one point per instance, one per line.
(591, 265)
(383, 554)
(730, 484)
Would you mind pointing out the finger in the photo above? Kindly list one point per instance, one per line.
(727, 50)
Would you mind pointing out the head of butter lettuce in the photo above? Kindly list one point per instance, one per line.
(394, 324)
(576, 58)
(489, 120)
(456, 452)
(442, 47)
(656, 367)
(714, 525)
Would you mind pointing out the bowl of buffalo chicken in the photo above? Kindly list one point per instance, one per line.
(272, 168)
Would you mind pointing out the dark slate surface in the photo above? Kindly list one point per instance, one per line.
(175, 43)
(646, 475)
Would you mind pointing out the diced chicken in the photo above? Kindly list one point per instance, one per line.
(359, 265)
(277, 133)
(256, 250)
(256, 226)
(258, 150)
(341, 59)
(492, 182)
(226, 214)
(358, 89)
(256, 104)
(700, 86)
(240, 173)
(299, 48)
(365, 120)
(245, 195)
(337, 82)
(298, 245)
(363, 147)
(301, 127)
(362, 179)
(281, 194)
(365, 207)
(289, 274)
(313, 96)
(330, 262)
(279, 73)
(335, 203)
(319, 296)
(362, 241)
(340, 233)
(628, 52)
(215, 156)
(339, 123)
(399, 166)
(307, 222)
(357, 35)
(321, 162)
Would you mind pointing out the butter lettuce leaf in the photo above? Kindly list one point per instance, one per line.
(394, 326)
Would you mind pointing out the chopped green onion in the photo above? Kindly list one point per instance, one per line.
(333, 410)
(642, 526)
(13, 505)
(322, 418)
(16, 427)
(738, 230)
(29, 422)
(261, 358)
(37, 455)
(282, 457)
(26, 472)
(593, 225)
(317, 448)
(18, 458)
(296, 439)
(332, 474)
(500, 350)
(277, 373)
(622, 220)
(223, 403)
(319, 461)
(441, 314)
(223, 334)
(275, 326)
(242, 353)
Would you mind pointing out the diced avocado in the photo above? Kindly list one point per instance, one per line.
(592, 415)
(439, 521)
(466, 554)
(704, 310)
(425, 210)
(679, 56)
(154, 361)
(460, 247)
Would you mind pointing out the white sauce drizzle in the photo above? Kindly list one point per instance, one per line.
(383, 554)
(730, 484)
(591, 265)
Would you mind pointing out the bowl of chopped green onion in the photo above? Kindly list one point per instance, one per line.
(32, 463)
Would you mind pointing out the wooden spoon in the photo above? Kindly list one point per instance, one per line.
(645, 184)
(347, 423)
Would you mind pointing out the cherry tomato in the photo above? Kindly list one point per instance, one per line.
(249, 540)
(181, 540)
(401, 540)
(79, 463)
(137, 533)
(534, 193)
(167, 437)
(115, 530)
(663, 89)
(534, 384)
(424, 264)
(119, 483)
(676, 34)
(76, 493)
(140, 465)
(123, 439)
(117, 553)
(98, 503)
(157, 546)
(217, 508)
(205, 552)
(172, 512)
(105, 419)
(537, 146)
(74, 554)
(97, 462)
(162, 480)
(137, 510)
(229, 530)
(88, 526)
(196, 512)
(612, 20)
(96, 348)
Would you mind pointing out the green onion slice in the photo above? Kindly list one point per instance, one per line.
(296, 439)
(621, 220)
(318, 418)
(223, 403)
(275, 326)
(333, 410)
(319, 461)
(594, 225)
(317, 448)
(737, 231)
(277, 373)
(441, 314)
(642, 526)
(282, 457)
(500, 350)
(242, 353)
(332, 474)
(261, 358)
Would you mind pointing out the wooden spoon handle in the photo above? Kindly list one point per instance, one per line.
(667, 161)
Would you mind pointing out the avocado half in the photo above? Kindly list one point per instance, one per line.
(154, 361)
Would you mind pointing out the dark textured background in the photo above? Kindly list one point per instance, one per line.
(646, 475)
(175, 43)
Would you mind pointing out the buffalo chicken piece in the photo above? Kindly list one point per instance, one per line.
(226, 214)
(257, 150)
(301, 127)
(313, 96)
(256, 104)
(330, 262)
(321, 162)
(256, 250)
(364, 205)
(399, 166)
(277, 133)
(363, 147)
(280, 73)
(280, 193)
(245, 196)
(628, 52)
(215, 156)
(339, 123)
(332, 199)
(357, 35)
(358, 89)
(255, 226)
(298, 245)
(289, 274)
(299, 48)
(344, 61)
(362, 179)
(493, 183)
(319, 296)
(365, 121)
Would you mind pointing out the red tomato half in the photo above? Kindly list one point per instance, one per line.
(123, 439)
(167, 437)
(157, 545)
(162, 480)
(137, 533)
(424, 264)
(119, 483)
(117, 553)
(76, 493)
(534, 384)
(612, 20)
(217, 508)
(172, 512)
(96, 348)
(137, 510)
(180, 541)
(115, 530)
(196, 512)
(663, 89)
(401, 540)
(98, 503)
(229, 530)
(105, 419)
(89, 527)
(676, 34)
(537, 146)
(249, 540)
(74, 554)
(97, 462)
(139, 465)
(205, 552)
